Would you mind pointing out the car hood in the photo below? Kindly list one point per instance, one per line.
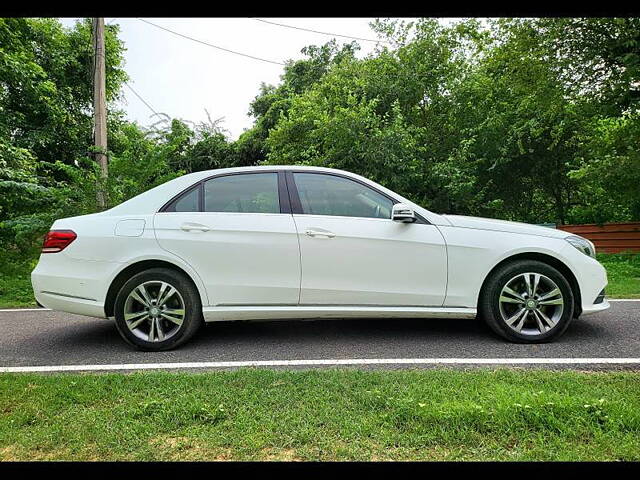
(504, 226)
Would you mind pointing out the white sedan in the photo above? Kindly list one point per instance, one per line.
(261, 243)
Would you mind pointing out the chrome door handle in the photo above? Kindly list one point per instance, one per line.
(320, 233)
(188, 226)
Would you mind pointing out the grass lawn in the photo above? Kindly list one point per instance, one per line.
(15, 278)
(15, 281)
(322, 415)
(623, 273)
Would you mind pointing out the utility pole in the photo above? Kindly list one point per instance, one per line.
(99, 107)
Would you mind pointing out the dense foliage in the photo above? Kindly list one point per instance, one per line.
(536, 120)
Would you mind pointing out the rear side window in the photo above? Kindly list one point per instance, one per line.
(187, 202)
(246, 193)
(322, 194)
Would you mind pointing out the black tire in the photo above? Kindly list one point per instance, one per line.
(188, 295)
(489, 301)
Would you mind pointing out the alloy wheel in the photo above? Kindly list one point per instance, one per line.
(154, 311)
(531, 303)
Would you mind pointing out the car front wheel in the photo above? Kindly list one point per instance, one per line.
(158, 309)
(527, 301)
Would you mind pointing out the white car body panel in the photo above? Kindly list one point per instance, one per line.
(243, 259)
(473, 253)
(371, 261)
(264, 266)
(491, 224)
(77, 279)
(216, 314)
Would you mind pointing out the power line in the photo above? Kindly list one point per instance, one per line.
(212, 45)
(322, 33)
(141, 99)
(226, 50)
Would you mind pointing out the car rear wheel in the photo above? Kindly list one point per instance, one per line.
(158, 309)
(527, 301)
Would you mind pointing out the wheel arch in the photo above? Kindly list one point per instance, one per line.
(126, 273)
(550, 260)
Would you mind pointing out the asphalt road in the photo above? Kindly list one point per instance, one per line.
(46, 338)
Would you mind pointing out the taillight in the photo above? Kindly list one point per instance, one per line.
(57, 240)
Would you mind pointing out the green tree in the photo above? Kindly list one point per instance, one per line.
(272, 103)
(45, 113)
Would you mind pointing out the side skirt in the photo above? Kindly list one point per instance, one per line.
(270, 312)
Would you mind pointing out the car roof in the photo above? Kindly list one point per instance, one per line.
(272, 167)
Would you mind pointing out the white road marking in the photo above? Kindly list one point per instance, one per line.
(326, 362)
(623, 299)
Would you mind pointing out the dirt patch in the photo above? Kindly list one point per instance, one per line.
(14, 453)
(279, 455)
(185, 448)
(9, 454)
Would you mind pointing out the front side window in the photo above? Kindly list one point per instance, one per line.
(322, 194)
(246, 193)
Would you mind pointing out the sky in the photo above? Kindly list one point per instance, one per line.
(182, 78)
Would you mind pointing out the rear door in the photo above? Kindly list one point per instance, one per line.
(237, 232)
(354, 254)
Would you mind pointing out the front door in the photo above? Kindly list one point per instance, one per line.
(354, 254)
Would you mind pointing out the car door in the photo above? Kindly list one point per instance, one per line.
(237, 232)
(354, 254)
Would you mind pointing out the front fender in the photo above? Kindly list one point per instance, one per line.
(473, 254)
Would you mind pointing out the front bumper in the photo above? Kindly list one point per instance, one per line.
(596, 307)
(591, 277)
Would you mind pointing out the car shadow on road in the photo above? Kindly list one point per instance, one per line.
(340, 338)
(373, 331)
(339, 329)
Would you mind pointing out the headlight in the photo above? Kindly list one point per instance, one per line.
(582, 244)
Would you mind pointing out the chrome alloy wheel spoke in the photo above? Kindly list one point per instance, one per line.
(532, 288)
(540, 314)
(513, 297)
(159, 330)
(173, 315)
(527, 281)
(536, 281)
(541, 325)
(518, 317)
(143, 292)
(152, 331)
(554, 297)
(135, 319)
(162, 297)
(140, 298)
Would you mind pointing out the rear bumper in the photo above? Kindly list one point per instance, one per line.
(70, 285)
(62, 303)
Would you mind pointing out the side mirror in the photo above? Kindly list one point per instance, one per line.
(402, 212)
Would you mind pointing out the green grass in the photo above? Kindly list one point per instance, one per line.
(623, 272)
(322, 415)
(15, 278)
